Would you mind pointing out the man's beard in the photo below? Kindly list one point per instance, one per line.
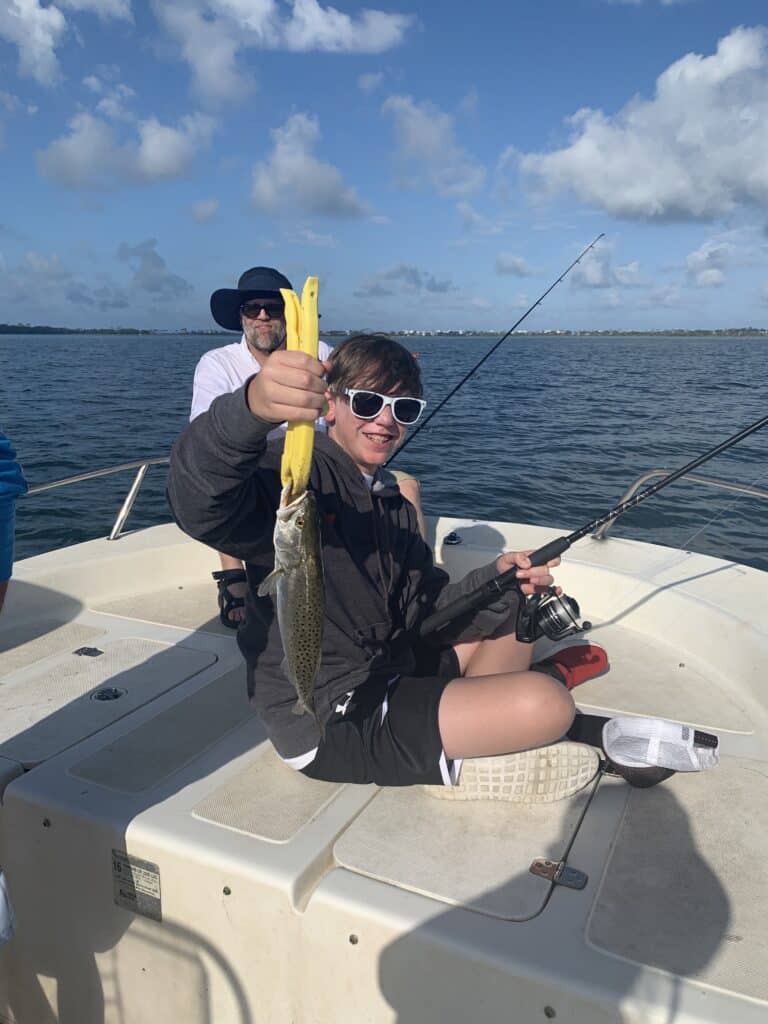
(270, 342)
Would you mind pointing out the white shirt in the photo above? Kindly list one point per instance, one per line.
(223, 370)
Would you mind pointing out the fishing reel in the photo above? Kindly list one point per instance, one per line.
(548, 614)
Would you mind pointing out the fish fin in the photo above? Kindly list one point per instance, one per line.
(298, 708)
(269, 584)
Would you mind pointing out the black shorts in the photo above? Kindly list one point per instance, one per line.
(388, 732)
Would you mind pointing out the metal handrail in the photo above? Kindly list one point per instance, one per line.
(725, 485)
(142, 465)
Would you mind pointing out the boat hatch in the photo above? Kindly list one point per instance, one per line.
(59, 700)
(477, 855)
(686, 887)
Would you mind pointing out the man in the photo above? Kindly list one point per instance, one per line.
(12, 484)
(256, 309)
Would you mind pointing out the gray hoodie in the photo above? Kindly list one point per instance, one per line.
(380, 578)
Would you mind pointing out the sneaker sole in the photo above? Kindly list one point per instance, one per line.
(539, 776)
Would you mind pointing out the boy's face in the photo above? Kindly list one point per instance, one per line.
(369, 443)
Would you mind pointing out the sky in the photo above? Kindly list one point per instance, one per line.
(437, 165)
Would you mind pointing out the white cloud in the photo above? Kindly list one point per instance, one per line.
(36, 31)
(706, 265)
(150, 272)
(210, 47)
(370, 81)
(113, 104)
(91, 156)
(427, 138)
(213, 33)
(515, 266)
(306, 236)
(293, 177)
(166, 152)
(476, 223)
(596, 270)
(697, 150)
(104, 8)
(205, 209)
(404, 277)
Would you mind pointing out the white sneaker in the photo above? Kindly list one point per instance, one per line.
(538, 776)
(642, 742)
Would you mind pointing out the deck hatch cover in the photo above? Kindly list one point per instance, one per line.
(45, 708)
(472, 854)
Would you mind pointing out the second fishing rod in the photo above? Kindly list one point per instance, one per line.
(558, 618)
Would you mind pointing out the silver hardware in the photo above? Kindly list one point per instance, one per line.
(142, 465)
(559, 873)
(724, 485)
(452, 538)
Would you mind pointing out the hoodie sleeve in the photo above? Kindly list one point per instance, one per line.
(428, 590)
(223, 481)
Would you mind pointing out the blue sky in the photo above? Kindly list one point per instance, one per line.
(435, 164)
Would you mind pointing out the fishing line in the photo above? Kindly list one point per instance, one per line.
(728, 508)
(490, 351)
(491, 590)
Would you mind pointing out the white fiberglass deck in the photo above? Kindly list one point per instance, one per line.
(164, 864)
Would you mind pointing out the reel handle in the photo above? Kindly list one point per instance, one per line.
(490, 591)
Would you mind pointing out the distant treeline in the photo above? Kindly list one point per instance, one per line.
(671, 333)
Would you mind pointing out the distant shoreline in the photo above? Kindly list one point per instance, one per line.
(728, 332)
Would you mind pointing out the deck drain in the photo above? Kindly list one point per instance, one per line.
(108, 693)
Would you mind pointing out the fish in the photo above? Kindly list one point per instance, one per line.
(297, 584)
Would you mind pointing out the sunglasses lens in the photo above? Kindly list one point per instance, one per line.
(406, 410)
(366, 404)
(253, 309)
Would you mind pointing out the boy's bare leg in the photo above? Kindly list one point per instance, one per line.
(236, 589)
(498, 706)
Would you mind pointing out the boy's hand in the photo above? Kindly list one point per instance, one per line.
(538, 577)
(290, 386)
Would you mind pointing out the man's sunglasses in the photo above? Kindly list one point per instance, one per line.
(274, 308)
(367, 405)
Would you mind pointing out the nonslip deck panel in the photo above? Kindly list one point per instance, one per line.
(147, 755)
(649, 676)
(47, 708)
(267, 800)
(686, 887)
(30, 642)
(409, 839)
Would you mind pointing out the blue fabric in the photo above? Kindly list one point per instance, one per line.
(12, 484)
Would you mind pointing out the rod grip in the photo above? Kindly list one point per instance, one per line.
(552, 550)
(468, 603)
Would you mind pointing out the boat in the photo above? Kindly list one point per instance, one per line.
(163, 864)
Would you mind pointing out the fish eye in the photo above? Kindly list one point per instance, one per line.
(300, 521)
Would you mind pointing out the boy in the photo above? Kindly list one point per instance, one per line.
(396, 709)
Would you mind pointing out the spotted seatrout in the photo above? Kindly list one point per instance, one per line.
(297, 582)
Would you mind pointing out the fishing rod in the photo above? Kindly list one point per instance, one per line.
(490, 352)
(491, 590)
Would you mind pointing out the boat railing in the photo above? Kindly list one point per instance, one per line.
(141, 465)
(726, 485)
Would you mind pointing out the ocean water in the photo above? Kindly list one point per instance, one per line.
(550, 430)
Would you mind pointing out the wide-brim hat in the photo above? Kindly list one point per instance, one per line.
(256, 283)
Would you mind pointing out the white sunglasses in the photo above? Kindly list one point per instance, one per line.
(367, 405)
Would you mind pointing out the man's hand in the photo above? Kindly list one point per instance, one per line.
(290, 386)
(538, 576)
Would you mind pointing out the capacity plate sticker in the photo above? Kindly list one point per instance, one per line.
(136, 884)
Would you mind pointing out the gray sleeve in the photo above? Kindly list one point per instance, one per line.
(223, 482)
(429, 591)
